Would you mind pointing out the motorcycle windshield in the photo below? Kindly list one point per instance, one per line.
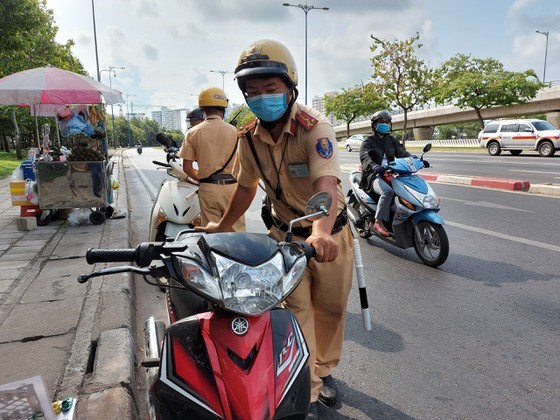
(407, 165)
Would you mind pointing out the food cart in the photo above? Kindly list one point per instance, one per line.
(68, 185)
(82, 181)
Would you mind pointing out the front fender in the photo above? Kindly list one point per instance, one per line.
(429, 216)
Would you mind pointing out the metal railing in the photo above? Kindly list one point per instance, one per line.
(474, 143)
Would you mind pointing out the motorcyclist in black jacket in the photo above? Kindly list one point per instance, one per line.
(376, 152)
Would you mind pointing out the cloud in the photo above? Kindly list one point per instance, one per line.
(150, 52)
(169, 48)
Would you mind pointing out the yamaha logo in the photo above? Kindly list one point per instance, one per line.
(240, 326)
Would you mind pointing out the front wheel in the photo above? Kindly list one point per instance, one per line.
(431, 243)
(494, 148)
(348, 148)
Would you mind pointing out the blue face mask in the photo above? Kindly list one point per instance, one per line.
(383, 128)
(268, 107)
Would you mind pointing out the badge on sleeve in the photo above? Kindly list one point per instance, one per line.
(324, 147)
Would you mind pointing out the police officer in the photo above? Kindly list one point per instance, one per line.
(376, 152)
(296, 156)
(212, 144)
(194, 117)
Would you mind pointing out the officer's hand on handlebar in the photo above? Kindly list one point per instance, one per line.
(211, 227)
(326, 248)
(426, 163)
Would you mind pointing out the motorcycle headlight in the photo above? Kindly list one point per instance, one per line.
(430, 202)
(244, 289)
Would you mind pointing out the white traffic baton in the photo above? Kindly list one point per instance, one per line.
(366, 319)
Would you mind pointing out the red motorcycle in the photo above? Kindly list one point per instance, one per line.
(245, 357)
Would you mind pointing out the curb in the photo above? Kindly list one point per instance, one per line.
(109, 391)
(495, 183)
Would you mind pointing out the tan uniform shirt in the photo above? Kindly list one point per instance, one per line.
(307, 150)
(210, 144)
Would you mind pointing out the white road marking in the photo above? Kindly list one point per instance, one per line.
(151, 189)
(523, 241)
(485, 204)
(533, 172)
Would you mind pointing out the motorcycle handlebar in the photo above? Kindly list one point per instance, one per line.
(94, 256)
(166, 165)
(307, 249)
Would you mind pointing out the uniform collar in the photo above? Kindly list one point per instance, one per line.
(290, 128)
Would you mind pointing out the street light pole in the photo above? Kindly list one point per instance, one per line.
(95, 41)
(128, 120)
(306, 8)
(545, 33)
(112, 69)
(223, 73)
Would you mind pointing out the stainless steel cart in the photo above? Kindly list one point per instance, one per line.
(68, 185)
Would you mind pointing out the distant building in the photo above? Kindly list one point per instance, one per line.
(170, 119)
(319, 104)
(156, 116)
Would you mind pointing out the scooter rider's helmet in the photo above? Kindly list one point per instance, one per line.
(212, 97)
(380, 116)
(195, 114)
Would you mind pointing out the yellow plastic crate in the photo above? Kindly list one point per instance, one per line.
(17, 191)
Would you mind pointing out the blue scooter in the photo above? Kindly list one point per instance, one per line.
(414, 221)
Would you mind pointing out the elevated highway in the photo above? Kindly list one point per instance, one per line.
(547, 101)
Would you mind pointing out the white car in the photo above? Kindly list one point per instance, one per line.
(354, 142)
(518, 135)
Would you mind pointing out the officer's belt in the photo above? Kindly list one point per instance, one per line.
(339, 223)
(220, 179)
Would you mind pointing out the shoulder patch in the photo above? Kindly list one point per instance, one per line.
(306, 120)
(324, 148)
(248, 127)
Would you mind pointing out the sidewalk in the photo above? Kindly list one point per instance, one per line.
(78, 338)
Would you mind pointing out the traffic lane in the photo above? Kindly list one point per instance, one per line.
(150, 174)
(466, 340)
(530, 168)
(535, 169)
(530, 217)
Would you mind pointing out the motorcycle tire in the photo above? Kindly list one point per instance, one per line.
(432, 246)
(365, 230)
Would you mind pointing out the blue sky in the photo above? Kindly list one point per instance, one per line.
(169, 47)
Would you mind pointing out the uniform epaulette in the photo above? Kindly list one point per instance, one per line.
(306, 120)
(248, 127)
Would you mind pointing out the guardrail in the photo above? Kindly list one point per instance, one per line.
(445, 143)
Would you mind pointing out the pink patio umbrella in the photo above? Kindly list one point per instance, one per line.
(51, 85)
(44, 87)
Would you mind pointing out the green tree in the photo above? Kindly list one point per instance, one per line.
(478, 83)
(462, 130)
(360, 101)
(242, 115)
(28, 32)
(402, 78)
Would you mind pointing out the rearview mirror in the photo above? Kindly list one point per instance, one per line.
(319, 203)
(163, 139)
(427, 148)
